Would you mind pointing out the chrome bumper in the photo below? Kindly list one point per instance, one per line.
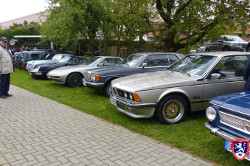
(134, 110)
(94, 85)
(218, 132)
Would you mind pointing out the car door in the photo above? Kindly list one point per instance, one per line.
(231, 69)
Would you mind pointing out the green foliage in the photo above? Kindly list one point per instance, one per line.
(190, 135)
(26, 28)
(187, 22)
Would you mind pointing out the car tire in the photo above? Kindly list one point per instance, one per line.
(24, 67)
(226, 48)
(172, 109)
(248, 48)
(20, 65)
(107, 88)
(74, 80)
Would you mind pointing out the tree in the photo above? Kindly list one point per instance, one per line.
(186, 22)
(71, 20)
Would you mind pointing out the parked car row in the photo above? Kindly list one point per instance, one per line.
(168, 86)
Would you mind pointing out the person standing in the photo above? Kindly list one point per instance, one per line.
(6, 67)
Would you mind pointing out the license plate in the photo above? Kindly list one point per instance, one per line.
(112, 101)
(227, 146)
(83, 82)
(38, 74)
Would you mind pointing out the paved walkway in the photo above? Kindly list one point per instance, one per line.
(35, 130)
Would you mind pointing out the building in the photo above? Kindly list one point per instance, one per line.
(37, 17)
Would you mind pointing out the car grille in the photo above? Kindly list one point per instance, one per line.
(122, 95)
(234, 121)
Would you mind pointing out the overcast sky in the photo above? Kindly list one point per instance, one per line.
(12, 9)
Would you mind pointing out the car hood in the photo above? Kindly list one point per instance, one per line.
(43, 61)
(236, 101)
(69, 69)
(154, 80)
(109, 69)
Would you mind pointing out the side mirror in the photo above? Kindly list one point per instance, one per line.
(220, 41)
(144, 65)
(215, 76)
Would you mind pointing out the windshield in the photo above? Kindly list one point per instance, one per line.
(64, 59)
(57, 57)
(193, 65)
(134, 60)
(232, 38)
(91, 61)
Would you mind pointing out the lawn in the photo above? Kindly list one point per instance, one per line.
(190, 135)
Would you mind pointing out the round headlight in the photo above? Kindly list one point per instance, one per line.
(211, 113)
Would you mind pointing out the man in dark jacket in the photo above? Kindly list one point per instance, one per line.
(247, 76)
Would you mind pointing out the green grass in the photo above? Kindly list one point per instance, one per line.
(190, 135)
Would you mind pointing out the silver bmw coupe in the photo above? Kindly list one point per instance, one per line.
(185, 86)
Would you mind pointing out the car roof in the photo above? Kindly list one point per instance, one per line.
(107, 57)
(223, 53)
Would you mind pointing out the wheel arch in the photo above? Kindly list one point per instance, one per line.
(181, 93)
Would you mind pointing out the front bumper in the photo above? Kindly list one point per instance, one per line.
(38, 74)
(226, 136)
(57, 79)
(134, 110)
(94, 85)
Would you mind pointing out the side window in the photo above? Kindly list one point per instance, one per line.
(108, 62)
(118, 61)
(82, 61)
(157, 60)
(230, 67)
(34, 56)
(172, 59)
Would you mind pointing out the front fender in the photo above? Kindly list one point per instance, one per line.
(171, 91)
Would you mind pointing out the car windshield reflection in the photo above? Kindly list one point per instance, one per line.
(64, 60)
(193, 65)
(134, 60)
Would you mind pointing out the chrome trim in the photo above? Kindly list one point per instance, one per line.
(135, 104)
(94, 84)
(218, 132)
(236, 117)
(230, 109)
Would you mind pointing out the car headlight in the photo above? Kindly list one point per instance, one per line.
(36, 69)
(95, 77)
(211, 113)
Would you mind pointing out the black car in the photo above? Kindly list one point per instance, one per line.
(41, 70)
(100, 79)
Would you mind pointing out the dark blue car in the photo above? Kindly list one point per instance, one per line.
(100, 79)
(41, 70)
(229, 117)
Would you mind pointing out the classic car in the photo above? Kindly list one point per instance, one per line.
(41, 70)
(227, 43)
(136, 63)
(73, 75)
(229, 118)
(28, 56)
(56, 58)
(187, 85)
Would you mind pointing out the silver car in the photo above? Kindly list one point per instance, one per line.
(185, 86)
(73, 75)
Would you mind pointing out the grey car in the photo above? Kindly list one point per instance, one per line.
(73, 75)
(227, 43)
(185, 86)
